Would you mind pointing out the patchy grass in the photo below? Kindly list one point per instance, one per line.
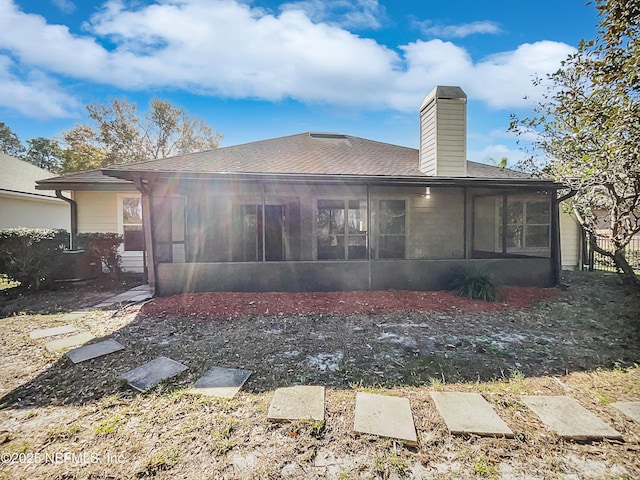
(584, 344)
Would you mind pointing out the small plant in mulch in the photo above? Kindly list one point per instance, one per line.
(476, 285)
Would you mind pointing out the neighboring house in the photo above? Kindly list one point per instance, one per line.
(21, 205)
(104, 204)
(327, 211)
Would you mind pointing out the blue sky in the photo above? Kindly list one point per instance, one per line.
(261, 69)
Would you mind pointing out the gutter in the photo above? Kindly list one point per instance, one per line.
(74, 218)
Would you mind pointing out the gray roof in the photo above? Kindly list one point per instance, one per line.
(89, 180)
(20, 176)
(302, 154)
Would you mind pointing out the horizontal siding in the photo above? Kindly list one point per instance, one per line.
(569, 241)
(33, 213)
(97, 211)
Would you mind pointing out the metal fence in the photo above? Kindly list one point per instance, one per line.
(597, 261)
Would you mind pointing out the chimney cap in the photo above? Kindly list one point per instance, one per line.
(444, 92)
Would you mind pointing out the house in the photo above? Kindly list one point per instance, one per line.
(103, 204)
(329, 211)
(21, 205)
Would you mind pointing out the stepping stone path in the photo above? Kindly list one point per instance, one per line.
(302, 402)
(68, 342)
(52, 332)
(221, 382)
(94, 350)
(152, 373)
(385, 416)
(630, 409)
(135, 295)
(469, 413)
(568, 419)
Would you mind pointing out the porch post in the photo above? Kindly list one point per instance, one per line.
(556, 261)
(369, 233)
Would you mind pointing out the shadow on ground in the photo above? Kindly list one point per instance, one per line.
(592, 324)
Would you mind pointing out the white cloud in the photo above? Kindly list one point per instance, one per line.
(459, 31)
(34, 95)
(231, 49)
(65, 6)
(356, 14)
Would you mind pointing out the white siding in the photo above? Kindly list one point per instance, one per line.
(569, 241)
(33, 212)
(101, 212)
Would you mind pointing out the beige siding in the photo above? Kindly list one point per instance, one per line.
(569, 241)
(33, 212)
(99, 212)
(443, 138)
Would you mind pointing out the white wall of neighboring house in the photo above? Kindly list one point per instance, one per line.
(33, 211)
(569, 241)
(101, 211)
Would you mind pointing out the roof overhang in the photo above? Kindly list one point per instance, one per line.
(93, 186)
(295, 178)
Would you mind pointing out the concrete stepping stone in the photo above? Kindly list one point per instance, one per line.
(72, 316)
(568, 419)
(221, 382)
(385, 416)
(69, 342)
(152, 373)
(52, 332)
(303, 402)
(94, 350)
(630, 409)
(464, 412)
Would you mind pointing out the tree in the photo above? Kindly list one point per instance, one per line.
(118, 135)
(44, 153)
(588, 129)
(9, 142)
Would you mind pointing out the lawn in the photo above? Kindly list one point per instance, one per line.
(80, 421)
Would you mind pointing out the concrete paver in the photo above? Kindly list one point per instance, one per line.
(221, 382)
(385, 416)
(303, 402)
(469, 413)
(94, 350)
(630, 409)
(69, 342)
(152, 373)
(568, 419)
(52, 332)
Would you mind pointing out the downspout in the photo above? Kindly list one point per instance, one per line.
(147, 264)
(74, 218)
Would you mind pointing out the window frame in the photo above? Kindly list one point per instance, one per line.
(524, 224)
(121, 224)
(346, 200)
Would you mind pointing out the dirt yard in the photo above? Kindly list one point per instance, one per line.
(582, 341)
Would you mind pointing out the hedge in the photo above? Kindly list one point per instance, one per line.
(32, 256)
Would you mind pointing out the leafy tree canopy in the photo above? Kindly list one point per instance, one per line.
(587, 128)
(9, 142)
(118, 134)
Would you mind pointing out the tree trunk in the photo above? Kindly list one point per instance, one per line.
(628, 273)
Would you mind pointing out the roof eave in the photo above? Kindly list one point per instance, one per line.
(333, 178)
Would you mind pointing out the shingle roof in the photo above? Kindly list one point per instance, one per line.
(20, 176)
(304, 153)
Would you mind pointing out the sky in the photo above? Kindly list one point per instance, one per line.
(257, 69)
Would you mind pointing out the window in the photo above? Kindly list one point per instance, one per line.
(132, 224)
(391, 229)
(255, 239)
(511, 225)
(527, 224)
(342, 229)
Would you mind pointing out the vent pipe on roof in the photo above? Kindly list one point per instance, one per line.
(443, 133)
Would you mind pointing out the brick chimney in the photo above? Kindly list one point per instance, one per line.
(443, 133)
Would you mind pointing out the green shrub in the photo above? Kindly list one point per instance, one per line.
(103, 247)
(32, 256)
(476, 285)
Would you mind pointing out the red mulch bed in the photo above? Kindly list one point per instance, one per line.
(234, 304)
